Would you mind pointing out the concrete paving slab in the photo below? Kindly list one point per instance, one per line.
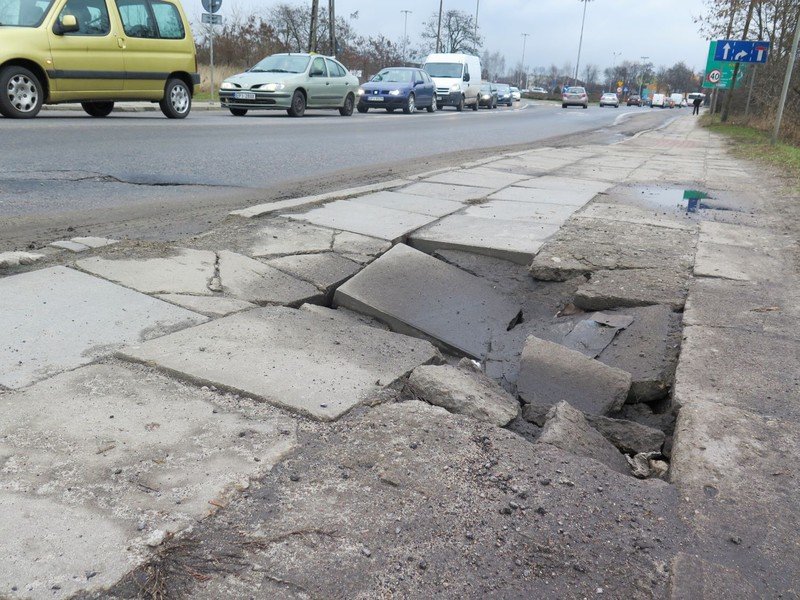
(299, 360)
(360, 248)
(478, 177)
(374, 221)
(69, 245)
(254, 281)
(348, 316)
(735, 262)
(590, 337)
(434, 207)
(95, 242)
(416, 294)
(211, 306)
(57, 319)
(550, 182)
(444, 191)
(17, 258)
(618, 288)
(572, 198)
(187, 271)
(326, 270)
(630, 214)
(516, 241)
(529, 212)
(98, 461)
(282, 237)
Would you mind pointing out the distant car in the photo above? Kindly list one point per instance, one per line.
(538, 90)
(575, 96)
(659, 101)
(516, 95)
(634, 100)
(678, 99)
(398, 88)
(504, 94)
(487, 97)
(609, 99)
(291, 82)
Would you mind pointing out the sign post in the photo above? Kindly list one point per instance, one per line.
(211, 7)
(787, 80)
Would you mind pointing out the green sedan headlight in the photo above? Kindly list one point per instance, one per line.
(227, 85)
(273, 87)
(360, 91)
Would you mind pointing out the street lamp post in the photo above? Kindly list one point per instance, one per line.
(477, 8)
(580, 43)
(405, 33)
(439, 28)
(641, 74)
(524, 42)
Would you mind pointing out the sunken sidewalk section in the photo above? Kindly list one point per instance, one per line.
(458, 385)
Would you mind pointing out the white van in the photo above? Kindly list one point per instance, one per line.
(457, 78)
(678, 99)
(660, 101)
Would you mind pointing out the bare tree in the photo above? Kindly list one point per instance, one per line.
(494, 65)
(590, 74)
(459, 32)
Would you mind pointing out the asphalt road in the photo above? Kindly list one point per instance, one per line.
(141, 175)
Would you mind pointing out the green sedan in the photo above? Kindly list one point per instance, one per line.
(291, 82)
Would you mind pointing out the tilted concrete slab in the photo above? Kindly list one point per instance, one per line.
(434, 207)
(186, 272)
(478, 177)
(419, 295)
(630, 214)
(95, 242)
(610, 288)
(360, 248)
(573, 198)
(374, 221)
(211, 306)
(69, 245)
(325, 270)
(57, 319)
(529, 212)
(100, 461)
(257, 282)
(299, 360)
(516, 241)
(446, 191)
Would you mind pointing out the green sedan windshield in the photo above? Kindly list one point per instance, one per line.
(23, 13)
(282, 63)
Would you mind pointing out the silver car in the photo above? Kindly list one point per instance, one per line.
(609, 99)
(575, 96)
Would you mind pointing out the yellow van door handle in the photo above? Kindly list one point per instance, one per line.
(121, 43)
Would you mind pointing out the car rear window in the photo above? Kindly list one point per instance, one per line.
(576, 90)
(136, 19)
(168, 19)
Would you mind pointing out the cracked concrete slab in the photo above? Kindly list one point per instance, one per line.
(211, 306)
(431, 206)
(530, 212)
(257, 282)
(374, 221)
(419, 295)
(298, 360)
(445, 191)
(326, 270)
(39, 342)
(360, 248)
(631, 214)
(187, 271)
(101, 462)
(279, 238)
(622, 288)
(587, 245)
(17, 258)
(567, 184)
(516, 241)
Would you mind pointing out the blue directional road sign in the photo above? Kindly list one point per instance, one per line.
(741, 51)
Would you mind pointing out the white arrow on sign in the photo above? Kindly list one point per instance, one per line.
(740, 55)
(727, 48)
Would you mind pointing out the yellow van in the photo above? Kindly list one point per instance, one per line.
(96, 52)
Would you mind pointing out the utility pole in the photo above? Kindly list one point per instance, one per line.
(641, 76)
(729, 98)
(477, 8)
(787, 80)
(614, 56)
(312, 36)
(405, 33)
(332, 25)
(580, 43)
(439, 29)
(524, 70)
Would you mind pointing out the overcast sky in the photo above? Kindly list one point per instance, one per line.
(661, 29)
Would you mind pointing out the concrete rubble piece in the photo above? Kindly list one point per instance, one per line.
(567, 428)
(102, 317)
(419, 295)
(464, 390)
(122, 460)
(550, 373)
(303, 361)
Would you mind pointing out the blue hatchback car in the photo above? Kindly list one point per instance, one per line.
(398, 88)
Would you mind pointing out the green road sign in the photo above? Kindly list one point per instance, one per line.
(719, 74)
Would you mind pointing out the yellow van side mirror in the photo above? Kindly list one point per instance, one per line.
(67, 24)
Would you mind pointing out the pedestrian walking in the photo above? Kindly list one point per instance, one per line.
(696, 104)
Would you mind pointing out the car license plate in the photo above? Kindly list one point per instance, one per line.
(376, 98)
(244, 96)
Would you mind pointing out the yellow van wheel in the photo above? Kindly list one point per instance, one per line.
(98, 109)
(21, 93)
(177, 100)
